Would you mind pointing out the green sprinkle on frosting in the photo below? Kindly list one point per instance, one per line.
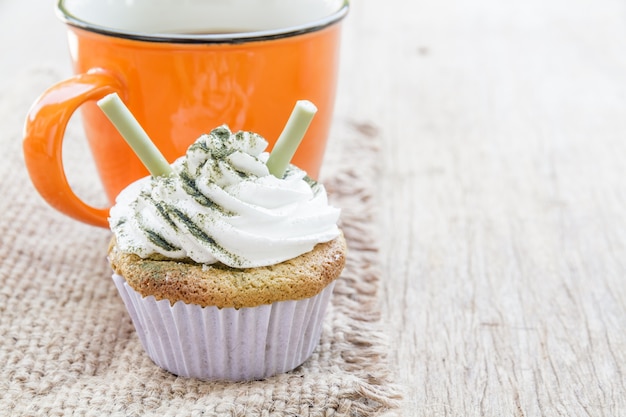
(160, 241)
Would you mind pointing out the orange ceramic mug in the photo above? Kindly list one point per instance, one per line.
(183, 68)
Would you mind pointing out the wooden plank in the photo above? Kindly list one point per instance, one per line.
(502, 199)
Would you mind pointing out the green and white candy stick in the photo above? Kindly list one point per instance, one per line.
(133, 133)
(290, 138)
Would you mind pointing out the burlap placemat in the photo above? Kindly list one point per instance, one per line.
(68, 347)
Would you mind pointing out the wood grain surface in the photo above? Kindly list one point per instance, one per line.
(502, 192)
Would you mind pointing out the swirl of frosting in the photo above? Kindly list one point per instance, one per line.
(221, 204)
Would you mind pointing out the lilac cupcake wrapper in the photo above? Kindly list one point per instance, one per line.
(226, 344)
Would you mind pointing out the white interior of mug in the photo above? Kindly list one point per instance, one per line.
(178, 17)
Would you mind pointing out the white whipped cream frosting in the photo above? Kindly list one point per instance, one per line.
(221, 204)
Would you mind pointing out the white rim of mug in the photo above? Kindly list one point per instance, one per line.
(235, 37)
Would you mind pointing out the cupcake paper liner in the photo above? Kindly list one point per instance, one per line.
(226, 344)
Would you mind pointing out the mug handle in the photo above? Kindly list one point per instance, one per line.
(43, 139)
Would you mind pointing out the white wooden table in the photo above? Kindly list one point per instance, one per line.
(502, 192)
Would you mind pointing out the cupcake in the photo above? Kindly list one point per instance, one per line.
(226, 270)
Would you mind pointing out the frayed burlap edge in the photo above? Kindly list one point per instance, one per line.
(351, 181)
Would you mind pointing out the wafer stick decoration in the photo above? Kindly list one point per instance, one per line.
(290, 138)
(132, 132)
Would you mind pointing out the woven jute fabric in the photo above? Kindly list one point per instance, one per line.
(68, 347)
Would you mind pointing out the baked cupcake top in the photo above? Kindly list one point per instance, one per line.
(221, 205)
(222, 286)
